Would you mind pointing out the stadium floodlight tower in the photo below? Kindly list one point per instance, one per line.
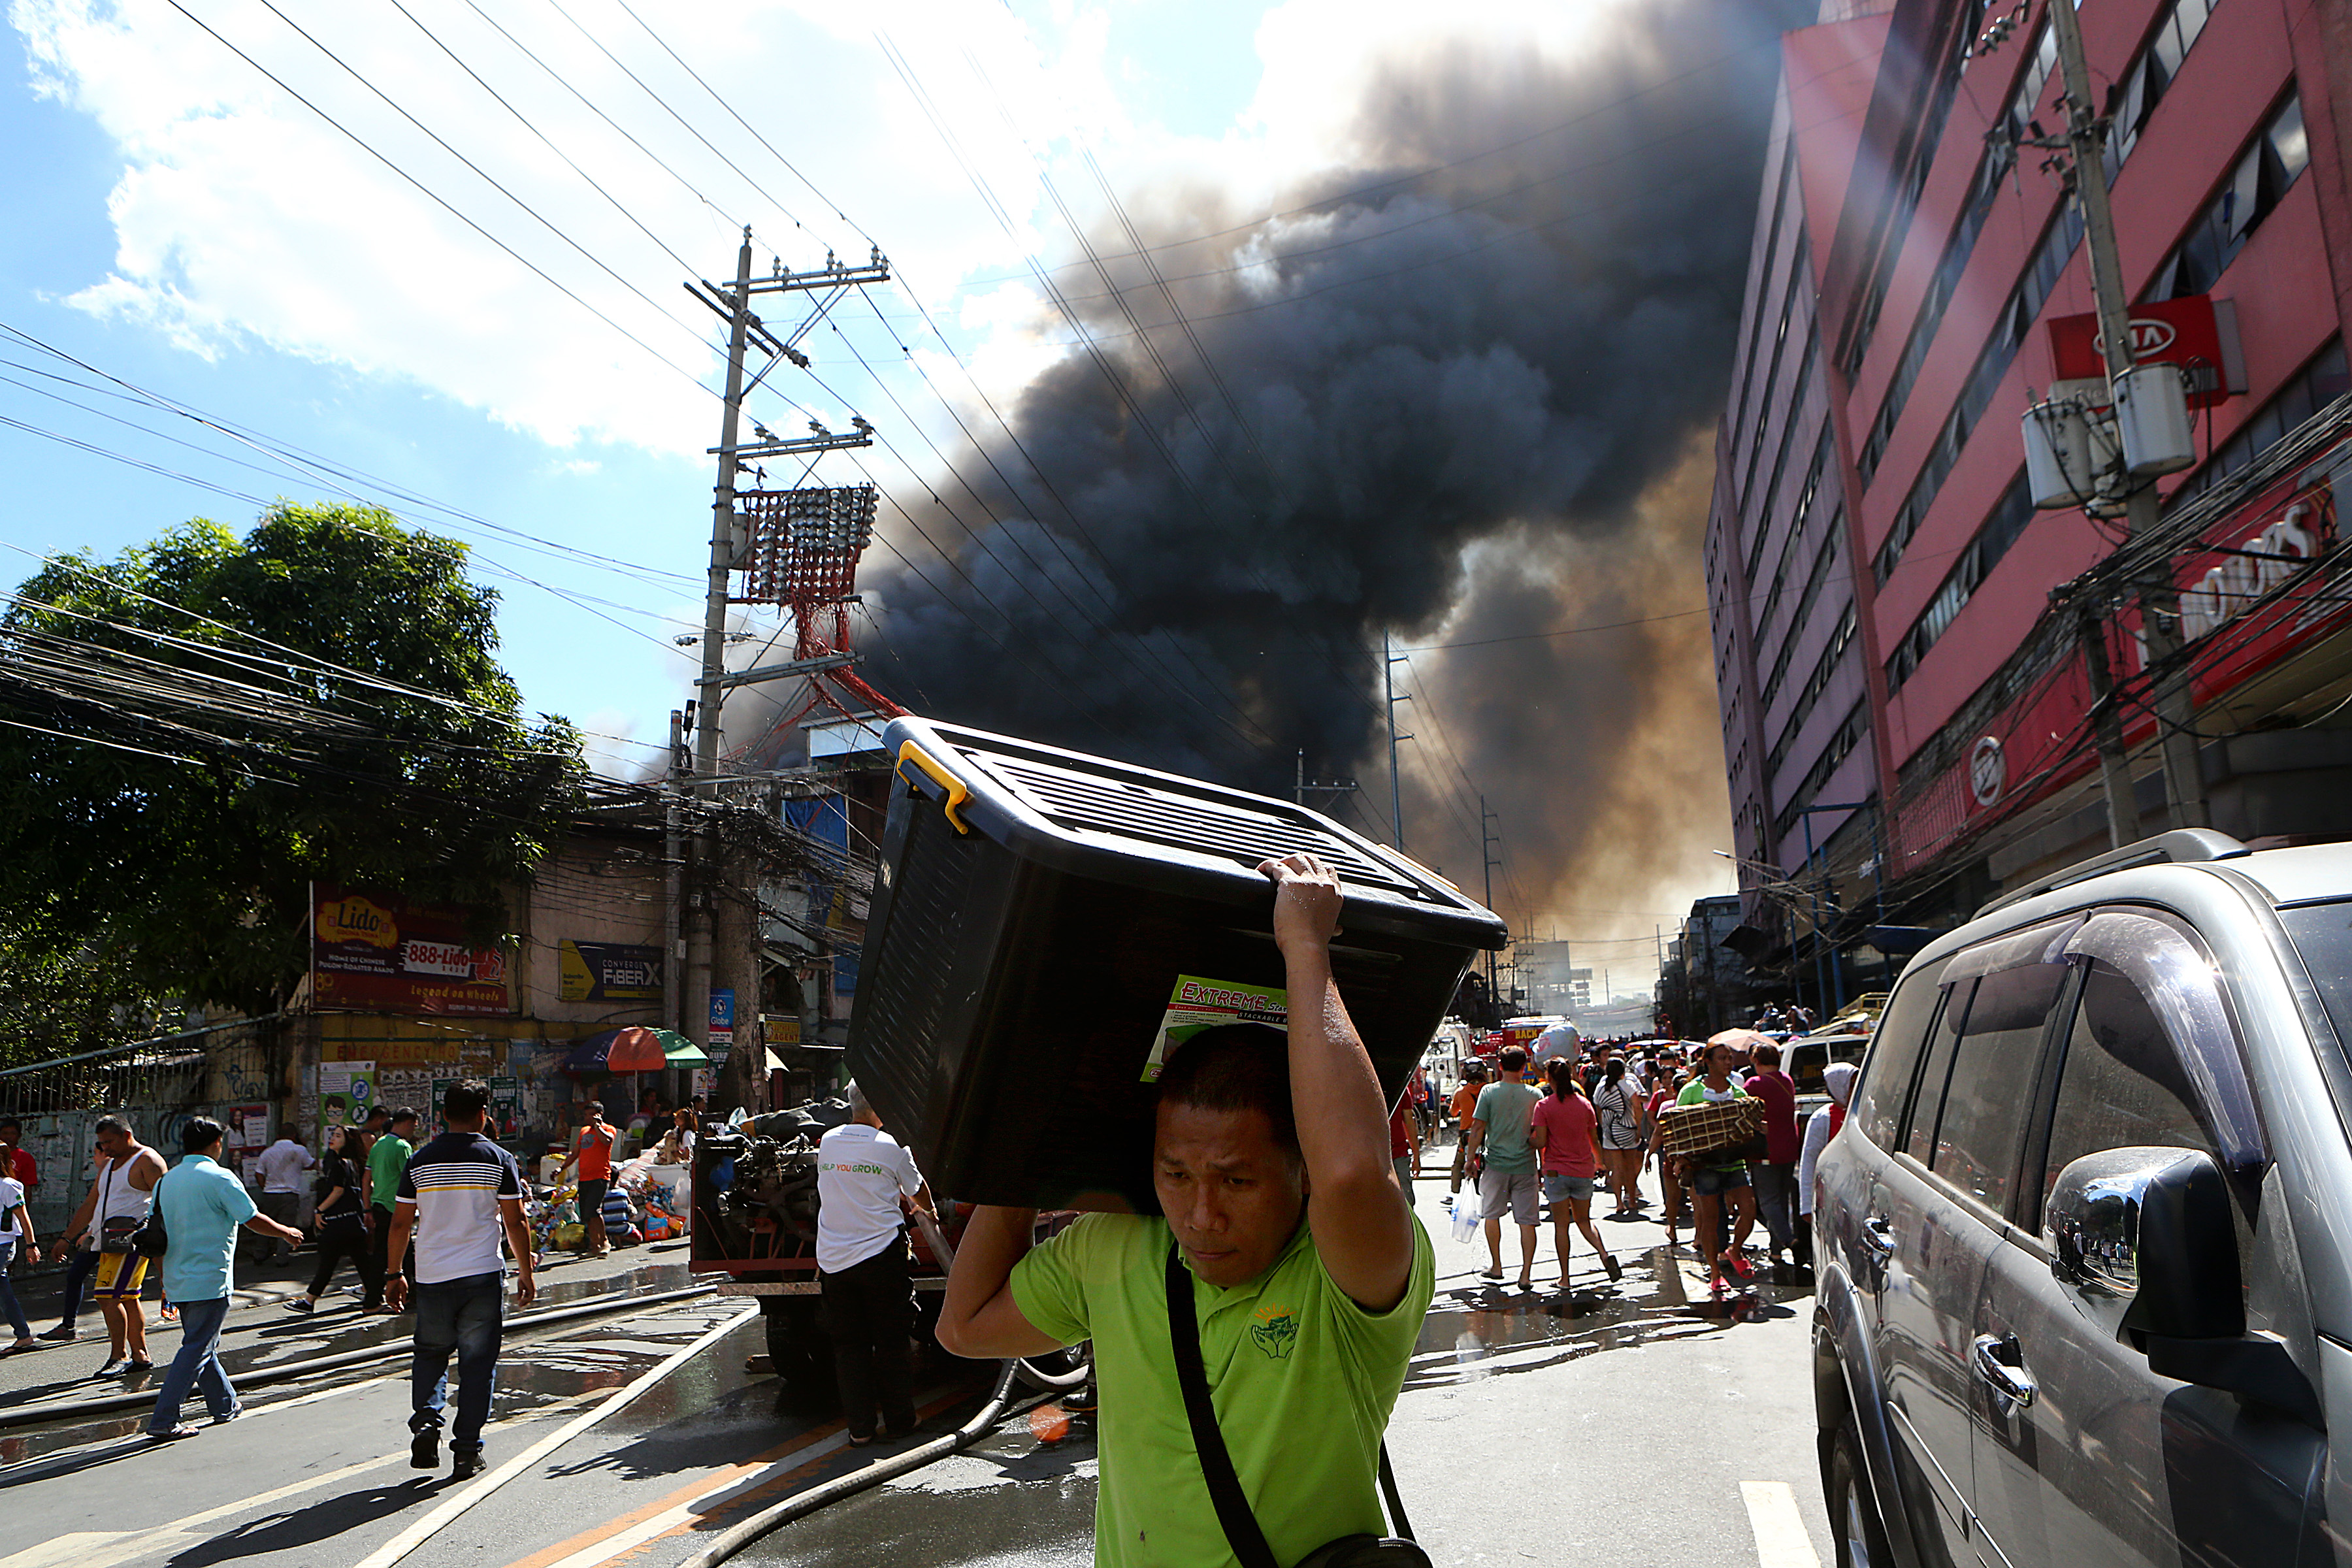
(804, 546)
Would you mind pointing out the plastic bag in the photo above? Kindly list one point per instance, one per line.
(1466, 1216)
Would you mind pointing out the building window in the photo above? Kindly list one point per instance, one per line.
(1761, 504)
(2145, 82)
(1764, 278)
(2323, 381)
(1849, 734)
(1825, 667)
(2000, 157)
(1813, 585)
(2256, 184)
(1797, 516)
(2000, 531)
(2009, 329)
(1906, 202)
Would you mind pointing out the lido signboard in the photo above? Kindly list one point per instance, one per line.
(375, 952)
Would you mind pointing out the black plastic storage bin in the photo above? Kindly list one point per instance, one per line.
(1033, 914)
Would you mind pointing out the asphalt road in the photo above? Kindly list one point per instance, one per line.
(1625, 1425)
(1621, 1423)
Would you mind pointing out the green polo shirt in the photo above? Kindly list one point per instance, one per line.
(1302, 1379)
(387, 1158)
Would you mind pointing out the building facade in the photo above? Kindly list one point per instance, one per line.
(1909, 720)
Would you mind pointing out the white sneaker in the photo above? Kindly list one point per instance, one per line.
(113, 1368)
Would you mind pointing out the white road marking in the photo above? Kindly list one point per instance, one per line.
(108, 1548)
(1780, 1538)
(416, 1534)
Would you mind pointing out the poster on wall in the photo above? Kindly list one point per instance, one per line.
(375, 952)
(346, 1090)
(609, 971)
(248, 1126)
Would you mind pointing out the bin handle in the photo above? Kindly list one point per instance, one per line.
(958, 793)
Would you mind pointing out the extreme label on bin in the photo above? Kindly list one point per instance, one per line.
(1199, 1005)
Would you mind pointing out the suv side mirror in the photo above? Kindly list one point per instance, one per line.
(2142, 1239)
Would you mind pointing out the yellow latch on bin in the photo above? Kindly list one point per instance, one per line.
(957, 793)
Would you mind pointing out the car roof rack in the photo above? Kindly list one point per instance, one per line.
(2182, 846)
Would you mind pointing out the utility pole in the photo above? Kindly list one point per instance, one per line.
(1308, 786)
(729, 536)
(1486, 842)
(681, 763)
(730, 542)
(2086, 134)
(2107, 730)
(1389, 661)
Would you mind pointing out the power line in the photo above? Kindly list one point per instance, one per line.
(437, 199)
(790, 166)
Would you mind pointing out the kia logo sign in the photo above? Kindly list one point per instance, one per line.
(2149, 338)
(2187, 332)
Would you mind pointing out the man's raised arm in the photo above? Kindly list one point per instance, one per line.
(979, 1319)
(1362, 1228)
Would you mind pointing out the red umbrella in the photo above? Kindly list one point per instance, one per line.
(631, 1049)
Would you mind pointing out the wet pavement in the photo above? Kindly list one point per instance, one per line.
(1010, 1499)
(261, 1335)
(1622, 1419)
(1532, 1427)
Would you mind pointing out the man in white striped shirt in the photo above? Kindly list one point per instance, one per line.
(461, 1194)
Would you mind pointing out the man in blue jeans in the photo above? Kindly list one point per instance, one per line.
(203, 1205)
(459, 1195)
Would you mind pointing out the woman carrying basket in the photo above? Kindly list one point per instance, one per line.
(1714, 1181)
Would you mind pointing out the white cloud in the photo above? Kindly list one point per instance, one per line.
(244, 222)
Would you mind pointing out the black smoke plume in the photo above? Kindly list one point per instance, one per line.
(1465, 397)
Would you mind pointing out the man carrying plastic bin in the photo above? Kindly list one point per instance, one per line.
(1307, 1274)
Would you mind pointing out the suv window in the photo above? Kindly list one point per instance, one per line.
(2121, 1083)
(1999, 1051)
(1921, 1143)
(2322, 934)
(1893, 1056)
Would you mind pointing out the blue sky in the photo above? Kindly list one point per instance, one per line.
(137, 145)
(180, 222)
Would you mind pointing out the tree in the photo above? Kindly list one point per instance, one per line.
(193, 732)
(61, 998)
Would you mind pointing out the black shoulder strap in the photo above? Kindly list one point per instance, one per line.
(1242, 1532)
(1396, 1502)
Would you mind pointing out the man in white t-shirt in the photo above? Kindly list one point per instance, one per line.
(281, 1167)
(864, 1179)
(16, 1231)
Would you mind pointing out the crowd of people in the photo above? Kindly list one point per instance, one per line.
(428, 1225)
(1552, 1133)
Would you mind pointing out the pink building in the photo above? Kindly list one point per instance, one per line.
(1898, 690)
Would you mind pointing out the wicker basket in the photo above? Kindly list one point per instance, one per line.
(1695, 1131)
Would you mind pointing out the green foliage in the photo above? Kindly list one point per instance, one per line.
(62, 999)
(322, 702)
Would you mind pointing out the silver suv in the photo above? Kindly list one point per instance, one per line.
(2086, 1236)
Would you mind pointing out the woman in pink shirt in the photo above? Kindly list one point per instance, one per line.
(1564, 1127)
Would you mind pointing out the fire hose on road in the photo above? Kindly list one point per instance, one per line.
(999, 1405)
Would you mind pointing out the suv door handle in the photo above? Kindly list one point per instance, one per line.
(1879, 1234)
(1997, 1362)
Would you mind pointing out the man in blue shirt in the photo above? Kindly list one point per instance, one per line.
(203, 1206)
